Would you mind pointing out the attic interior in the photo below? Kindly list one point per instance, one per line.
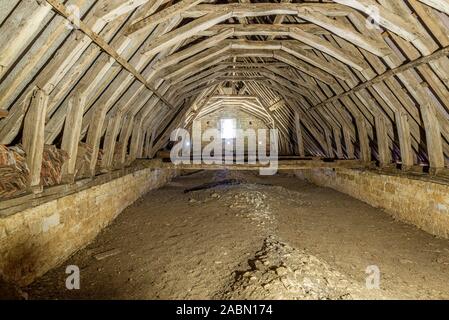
(93, 206)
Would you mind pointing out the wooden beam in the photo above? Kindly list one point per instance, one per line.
(249, 9)
(382, 141)
(62, 10)
(337, 139)
(192, 50)
(221, 13)
(162, 15)
(405, 143)
(187, 31)
(385, 18)
(329, 148)
(299, 136)
(320, 44)
(33, 136)
(279, 19)
(112, 131)
(390, 73)
(434, 139)
(349, 145)
(263, 29)
(72, 132)
(237, 79)
(19, 30)
(365, 149)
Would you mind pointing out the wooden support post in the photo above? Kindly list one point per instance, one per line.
(433, 138)
(330, 149)
(365, 149)
(110, 140)
(337, 137)
(299, 136)
(151, 144)
(33, 137)
(135, 139)
(405, 139)
(72, 133)
(141, 144)
(348, 143)
(382, 141)
(125, 134)
(147, 143)
(108, 49)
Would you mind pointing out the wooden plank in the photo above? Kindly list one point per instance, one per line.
(441, 5)
(19, 29)
(405, 144)
(382, 141)
(389, 20)
(434, 139)
(72, 132)
(337, 138)
(221, 14)
(112, 131)
(62, 10)
(348, 143)
(299, 136)
(365, 149)
(33, 136)
(329, 148)
(187, 31)
(162, 15)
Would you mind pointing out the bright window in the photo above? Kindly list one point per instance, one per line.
(228, 128)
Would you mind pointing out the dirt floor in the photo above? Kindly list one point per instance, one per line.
(237, 235)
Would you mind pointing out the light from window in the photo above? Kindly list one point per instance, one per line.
(228, 128)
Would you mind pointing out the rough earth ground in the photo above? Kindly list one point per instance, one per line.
(225, 235)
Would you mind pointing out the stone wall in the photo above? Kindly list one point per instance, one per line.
(413, 200)
(36, 240)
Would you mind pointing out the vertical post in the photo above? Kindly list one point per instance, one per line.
(405, 139)
(141, 144)
(348, 143)
(124, 138)
(337, 137)
(72, 133)
(110, 140)
(135, 139)
(146, 143)
(299, 136)
(151, 143)
(365, 149)
(433, 138)
(330, 150)
(94, 136)
(382, 141)
(33, 137)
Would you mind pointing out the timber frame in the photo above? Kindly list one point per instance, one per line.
(344, 79)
